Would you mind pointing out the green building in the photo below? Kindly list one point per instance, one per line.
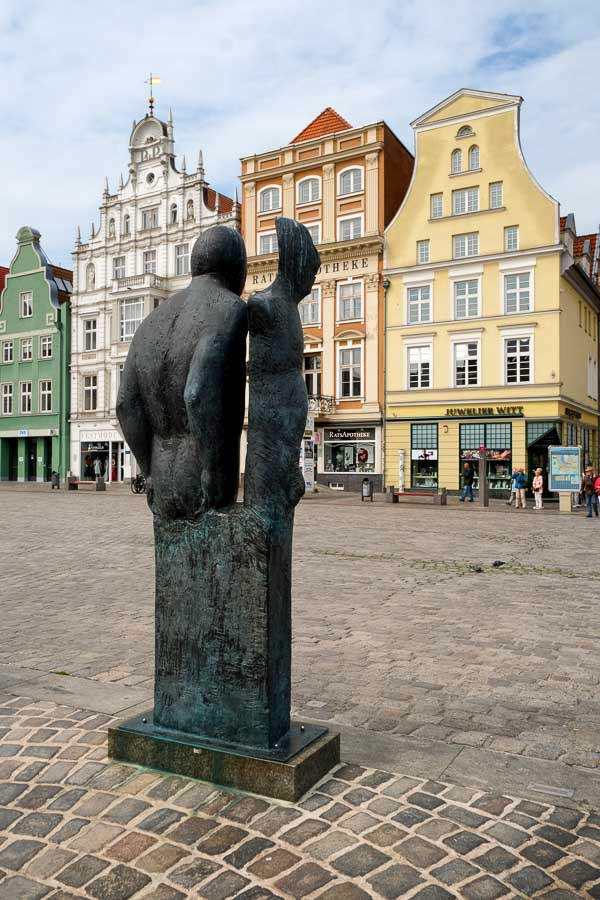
(35, 345)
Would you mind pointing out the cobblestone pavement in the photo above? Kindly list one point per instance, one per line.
(74, 825)
(405, 632)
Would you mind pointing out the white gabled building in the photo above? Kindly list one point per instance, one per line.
(135, 258)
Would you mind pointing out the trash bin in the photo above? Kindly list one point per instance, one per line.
(367, 490)
(55, 480)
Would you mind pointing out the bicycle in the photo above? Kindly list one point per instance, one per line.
(138, 484)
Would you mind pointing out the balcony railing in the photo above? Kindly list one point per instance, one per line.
(146, 280)
(321, 405)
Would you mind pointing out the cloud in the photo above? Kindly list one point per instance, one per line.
(242, 77)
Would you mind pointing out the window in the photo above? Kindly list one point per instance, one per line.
(422, 252)
(350, 181)
(419, 304)
(118, 267)
(518, 360)
(150, 218)
(267, 243)
(496, 199)
(350, 228)
(7, 399)
(350, 372)
(26, 304)
(350, 301)
(126, 223)
(46, 346)
(466, 364)
(90, 393)
(474, 157)
(89, 334)
(312, 374)
(27, 349)
(456, 162)
(309, 190)
(465, 131)
(419, 367)
(466, 298)
(45, 396)
(25, 396)
(309, 308)
(315, 232)
(149, 262)
(465, 244)
(7, 352)
(437, 206)
(270, 199)
(173, 214)
(465, 201)
(424, 456)
(182, 259)
(511, 238)
(132, 314)
(517, 295)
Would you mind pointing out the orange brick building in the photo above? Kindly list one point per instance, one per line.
(345, 184)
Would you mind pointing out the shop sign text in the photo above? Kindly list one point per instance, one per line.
(485, 411)
(347, 265)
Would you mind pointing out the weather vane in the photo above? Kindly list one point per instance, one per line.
(154, 79)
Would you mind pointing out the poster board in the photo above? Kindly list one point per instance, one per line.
(564, 469)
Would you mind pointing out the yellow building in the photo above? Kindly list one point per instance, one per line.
(491, 316)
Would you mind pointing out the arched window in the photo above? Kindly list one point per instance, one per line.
(173, 213)
(90, 276)
(309, 190)
(456, 161)
(465, 131)
(126, 221)
(190, 209)
(474, 157)
(270, 199)
(351, 181)
(111, 228)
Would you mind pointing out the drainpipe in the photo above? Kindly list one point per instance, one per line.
(386, 284)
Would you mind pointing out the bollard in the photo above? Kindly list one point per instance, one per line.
(100, 484)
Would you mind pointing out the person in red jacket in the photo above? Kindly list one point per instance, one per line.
(589, 485)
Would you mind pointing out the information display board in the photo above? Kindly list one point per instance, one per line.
(564, 469)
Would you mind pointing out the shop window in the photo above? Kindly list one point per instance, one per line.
(517, 293)
(419, 367)
(466, 299)
(466, 363)
(518, 360)
(350, 378)
(149, 262)
(349, 450)
(90, 393)
(309, 190)
(465, 201)
(310, 308)
(89, 334)
(7, 352)
(7, 399)
(496, 439)
(419, 304)
(45, 396)
(132, 314)
(269, 199)
(350, 301)
(312, 374)
(424, 456)
(182, 259)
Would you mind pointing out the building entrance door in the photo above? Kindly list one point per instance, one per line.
(537, 457)
(13, 459)
(31, 460)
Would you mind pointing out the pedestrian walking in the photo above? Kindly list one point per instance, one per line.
(468, 478)
(538, 488)
(520, 485)
(588, 489)
(513, 490)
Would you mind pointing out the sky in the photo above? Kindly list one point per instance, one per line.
(243, 77)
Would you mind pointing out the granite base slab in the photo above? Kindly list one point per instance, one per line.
(285, 772)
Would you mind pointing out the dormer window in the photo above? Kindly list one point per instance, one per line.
(465, 131)
(456, 162)
(474, 157)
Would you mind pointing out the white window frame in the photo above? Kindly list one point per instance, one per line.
(263, 191)
(23, 394)
(119, 267)
(154, 212)
(44, 395)
(508, 229)
(350, 345)
(433, 199)
(344, 171)
(126, 334)
(507, 334)
(5, 347)
(496, 186)
(454, 282)
(423, 244)
(309, 301)
(355, 216)
(474, 147)
(270, 235)
(26, 304)
(338, 299)
(89, 390)
(456, 161)
(304, 180)
(417, 345)
(469, 198)
(316, 225)
(457, 340)
(126, 224)
(313, 372)
(26, 341)
(182, 256)
(90, 331)
(46, 341)
(518, 273)
(149, 262)
(467, 236)
(418, 287)
(7, 398)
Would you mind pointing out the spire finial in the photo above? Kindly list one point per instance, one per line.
(78, 238)
(170, 122)
(106, 188)
(153, 79)
(183, 164)
(92, 233)
(235, 196)
(121, 181)
(200, 166)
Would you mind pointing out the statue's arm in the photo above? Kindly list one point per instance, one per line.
(132, 415)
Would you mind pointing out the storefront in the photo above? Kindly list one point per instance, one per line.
(495, 439)
(347, 454)
(101, 453)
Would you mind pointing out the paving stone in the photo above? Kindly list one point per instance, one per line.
(120, 883)
(411, 816)
(166, 788)
(400, 786)
(258, 893)
(67, 799)
(247, 851)
(484, 888)
(20, 888)
(565, 818)
(37, 824)
(7, 817)
(10, 791)
(244, 810)
(531, 808)
(273, 863)
(305, 831)
(222, 840)
(85, 773)
(556, 835)
(47, 864)
(335, 812)
(227, 884)
(453, 871)
(304, 880)
(434, 892)
(96, 837)
(344, 891)
(41, 751)
(126, 810)
(360, 860)
(16, 854)
(588, 832)
(383, 807)
(395, 881)
(190, 874)
(357, 796)
(506, 834)
(130, 846)
(81, 871)
(529, 880)
(436, 829)
(542, 854)
(94, 803)
(56, 772)
(194, 796)
(465, 817)
(465, 841)
(360, 822)
(420, 853)
(69, 830)
(162, 858)
(589, 851)
(525, 822)
(158, 822)
(577, 873)
(274, 820)
(375, 780)
(191, 830)
(425, 801)
(38, 796)
(496, 860)
(164, 892)
(385, 835)
(494, 804)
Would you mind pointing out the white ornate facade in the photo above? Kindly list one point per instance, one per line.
(136, 257)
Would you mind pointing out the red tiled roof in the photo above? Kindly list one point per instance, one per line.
(580, 241)
(327, 122)
(210, 197)
(563, 222)
(3, 273)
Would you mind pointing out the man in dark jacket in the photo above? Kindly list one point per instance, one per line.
(468, 477)
(588, 489)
